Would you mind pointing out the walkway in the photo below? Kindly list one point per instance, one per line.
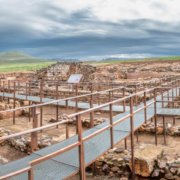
(64, 165)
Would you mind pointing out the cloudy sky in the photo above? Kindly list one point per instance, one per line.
(90, 29)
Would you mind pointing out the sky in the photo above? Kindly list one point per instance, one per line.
(90, 29)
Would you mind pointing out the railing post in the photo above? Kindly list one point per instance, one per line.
(34, 136)
(145, 109)
(57, 108)
(155, 115)
(8, 91)
(164, 129)
(99, 97)
(124, 102)
(76, 98)
(132, 138)
(26, 91)
(14, 113)
(67, 131)
(30, 113)
(91, 106)
(3, 88)
(30, 174)
(136, 95)
(81, 151)
(41, 108)
(111, 123)
(18, 85)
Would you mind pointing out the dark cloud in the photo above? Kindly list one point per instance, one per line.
(50, 32)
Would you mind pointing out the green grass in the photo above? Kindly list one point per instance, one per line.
(134, 60)
(23, 66)
(18, 57)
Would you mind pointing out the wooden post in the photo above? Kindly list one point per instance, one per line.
(8, 91)
(132, 137)
(3, 88)
(145, 109)
(34, 135)
(99, 97)
(14, 98)
(30, 113)
(81, 151)
(124, 102)
(136, 95)
(67, 131)
(164, 129)
(155, 115)
(111, 123)
(41, 108)
(125, 143)
(26, 91)
(66, 104)
(57, 108)
(30, 174)
(18, 86)
(91, 106)
(162, 97)
(76, 98)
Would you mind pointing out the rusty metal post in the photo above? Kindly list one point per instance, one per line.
(34, 135)
(162, 96)
(66, 104)
(18, 86)
(124, 102)
(67, 131)
(30, 113)
(30, 174)
(111, 123)
(136, 95)
(26, 91)
(41, 108)
(81, 151)
(57, 108)
(155, 115)
(125, 143)
(145, 109)
(8, 91)
(164, 129)
(91, 106)
(132, 138)
(3, 88)
(14, 98)
(99, 97)
(76, 98)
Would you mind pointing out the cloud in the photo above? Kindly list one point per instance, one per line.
(87, 29)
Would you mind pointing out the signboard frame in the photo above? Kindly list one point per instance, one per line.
(75, 79)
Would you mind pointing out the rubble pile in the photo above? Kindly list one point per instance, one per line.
(150, 162)
(23, 143)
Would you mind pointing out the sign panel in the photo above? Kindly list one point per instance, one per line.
(74, 78)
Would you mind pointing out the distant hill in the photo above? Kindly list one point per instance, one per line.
(61, 59)
(18, 57)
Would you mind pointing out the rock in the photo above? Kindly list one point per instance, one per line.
(106, 168)
(120, 172)
(98, 113)
(173, 170)
(115, 169)
(119, 150)
(101, 158)
(166, 170)
(156, 173)
(169, 176)
(124, 178)
(111, 174)
(178, 171)
(3, 160)
(127, 158)
(162, 165)
(145, 159)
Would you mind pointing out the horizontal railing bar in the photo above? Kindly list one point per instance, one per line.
(56, 153)
(15, 173)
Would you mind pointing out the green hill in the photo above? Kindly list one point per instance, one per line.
(18, 57)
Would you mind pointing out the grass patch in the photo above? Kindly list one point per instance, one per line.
(134, 60)
(23, 66)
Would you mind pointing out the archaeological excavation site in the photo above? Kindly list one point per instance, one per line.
(79, 120)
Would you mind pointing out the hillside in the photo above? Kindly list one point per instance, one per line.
(18, 57)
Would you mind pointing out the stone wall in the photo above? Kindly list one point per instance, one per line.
(61, 71)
